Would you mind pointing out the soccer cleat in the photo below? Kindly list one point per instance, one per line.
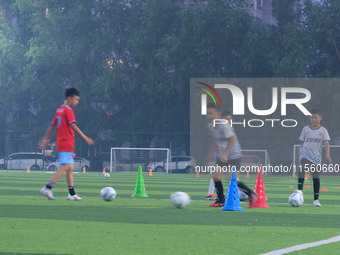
(216, 204)
(316, 203)
(210, 197)
(74, 197)
(47, 193)
(298, 191)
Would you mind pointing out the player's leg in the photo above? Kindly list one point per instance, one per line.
(245, 189)
(69, 175)
(251, 194)
(229, 171)
(210, 195)
(47, 190)
(58, 174)
(304, 165)
(69, 178)
(316, 187)
(217, 176)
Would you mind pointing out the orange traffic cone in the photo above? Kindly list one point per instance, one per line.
(197, 174)
(259, 190)
(247, 176)
(104, 172)
(84, 170)
(150, 172)
(28, 170)
(306, 176)
(294, 174)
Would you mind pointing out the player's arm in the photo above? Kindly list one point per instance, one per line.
(43, 142)
(231, 144)
(88, 140)
(327, 149)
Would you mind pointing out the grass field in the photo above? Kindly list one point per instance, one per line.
(30, 224)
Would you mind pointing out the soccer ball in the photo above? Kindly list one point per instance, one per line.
(180, 199)
(107, 175)
(243, 196)
(108, 194)
(295, 199)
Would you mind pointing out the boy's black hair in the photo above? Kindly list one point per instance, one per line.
(71, 92)
(316, 111)
(213, 106)
(226, 113)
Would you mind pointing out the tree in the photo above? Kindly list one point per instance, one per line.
(322, 21)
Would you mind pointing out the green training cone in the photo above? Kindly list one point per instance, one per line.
(140, 188)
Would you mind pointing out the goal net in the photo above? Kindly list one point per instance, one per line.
(253, 159)
(129, 159)
(326, 167)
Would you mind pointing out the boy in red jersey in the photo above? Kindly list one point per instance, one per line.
(65, 123)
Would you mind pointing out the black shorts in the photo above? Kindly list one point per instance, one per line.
(232, 162)
(308, 166)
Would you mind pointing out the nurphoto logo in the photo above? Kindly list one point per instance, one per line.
(295, 96)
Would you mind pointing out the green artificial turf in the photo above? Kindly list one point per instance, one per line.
(30, 224)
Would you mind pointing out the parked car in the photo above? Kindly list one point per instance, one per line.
(23, 160)
(79, 164)
(177, 164)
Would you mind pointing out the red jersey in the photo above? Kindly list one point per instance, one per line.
(63, 119)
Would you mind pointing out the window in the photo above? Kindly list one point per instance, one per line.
(180, 159)
(32, 156)
(259, 5)
(183, 159)
(14, 156)
(25, 156)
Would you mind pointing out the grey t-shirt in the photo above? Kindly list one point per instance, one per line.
(222, 135)
(312, 143)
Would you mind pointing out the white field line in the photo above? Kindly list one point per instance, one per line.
(303, 246)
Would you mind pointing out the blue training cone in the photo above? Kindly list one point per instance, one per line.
(232, 200)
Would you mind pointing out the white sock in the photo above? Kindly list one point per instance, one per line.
(211, 187)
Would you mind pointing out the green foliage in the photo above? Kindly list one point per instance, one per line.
(132, 60)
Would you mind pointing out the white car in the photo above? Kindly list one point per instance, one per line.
(79, 164)
(177, 164)
(23, 160)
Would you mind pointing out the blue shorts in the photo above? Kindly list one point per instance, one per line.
(65, 158)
